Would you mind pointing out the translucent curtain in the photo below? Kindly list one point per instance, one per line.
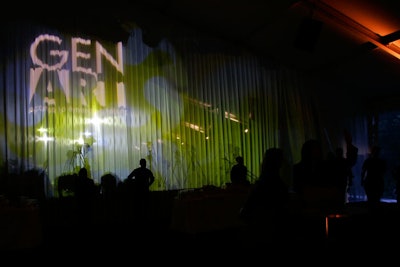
(73, 101)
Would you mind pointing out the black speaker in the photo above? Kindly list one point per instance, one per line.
(308, 34)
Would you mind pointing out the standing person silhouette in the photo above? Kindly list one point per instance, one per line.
(339, 174)
(310, 170)
(270, 193)
(266, 207)
(142, 178)
(239, 172)
(85, 194)
(373, 177)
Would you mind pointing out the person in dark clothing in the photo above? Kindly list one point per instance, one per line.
(85, 186)
(339, 174)
(270, 192)
(266, 207)
(314, 174)
(310, 170)
(239, 172)
(373, 176)
(141, 179)
(85, 194)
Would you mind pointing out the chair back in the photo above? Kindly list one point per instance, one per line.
(66, 185)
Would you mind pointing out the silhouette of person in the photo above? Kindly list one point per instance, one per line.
(109, 195)
(351, 150)
(266, 207)
(314, 174)
(351, 156)
(269, 191)
(239, 172)
(340, 173)
(373, 176)
(309, 171)
(141, 178)
(85, 195)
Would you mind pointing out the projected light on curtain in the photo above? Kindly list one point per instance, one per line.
(71, 101)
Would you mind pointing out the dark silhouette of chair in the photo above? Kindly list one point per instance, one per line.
(66, 185)
(66, 188)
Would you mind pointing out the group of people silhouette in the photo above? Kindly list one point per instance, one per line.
(135, 190)
(273, 205)
(327, 176)
(269, 199)
(316, 172)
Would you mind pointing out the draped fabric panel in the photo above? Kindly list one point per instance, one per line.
(70, 101)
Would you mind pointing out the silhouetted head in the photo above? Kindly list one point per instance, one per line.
(311, 150)
(272, 161)
(239, 160)
(142, 162)
(83, 172)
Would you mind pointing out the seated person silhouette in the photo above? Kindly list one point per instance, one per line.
(239, 173)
